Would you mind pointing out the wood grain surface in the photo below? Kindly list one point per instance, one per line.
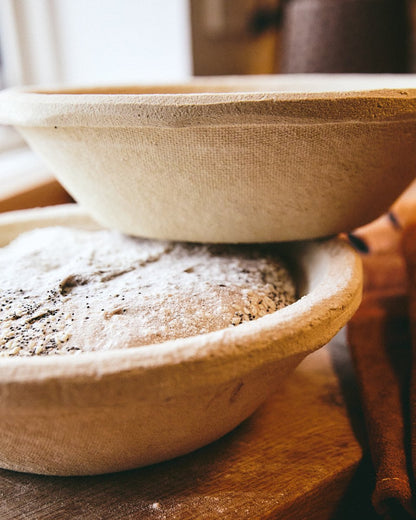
(295, 458)
(25, 182)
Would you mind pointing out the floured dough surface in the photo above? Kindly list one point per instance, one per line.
(67, 290)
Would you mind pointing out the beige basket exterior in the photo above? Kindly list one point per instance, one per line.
(233, 160)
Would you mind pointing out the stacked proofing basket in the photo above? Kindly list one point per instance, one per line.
(265, 159)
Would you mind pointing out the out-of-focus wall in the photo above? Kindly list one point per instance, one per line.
(124, 40)
(95, 41)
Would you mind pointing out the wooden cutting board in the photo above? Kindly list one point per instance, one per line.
(25, 182)
(295, 458)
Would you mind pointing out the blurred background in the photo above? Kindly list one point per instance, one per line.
(168, 41)
(119, 41)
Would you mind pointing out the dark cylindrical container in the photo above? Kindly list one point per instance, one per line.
(345, 36)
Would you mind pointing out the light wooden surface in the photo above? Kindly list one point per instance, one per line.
(37, 195)
(25, 181)
(295, 458)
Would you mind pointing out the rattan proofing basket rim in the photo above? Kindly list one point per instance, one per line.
(301, 99)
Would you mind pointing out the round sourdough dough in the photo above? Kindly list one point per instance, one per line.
(67, 290)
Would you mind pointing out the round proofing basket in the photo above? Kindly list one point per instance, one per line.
(227, 160)
(116, 410)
